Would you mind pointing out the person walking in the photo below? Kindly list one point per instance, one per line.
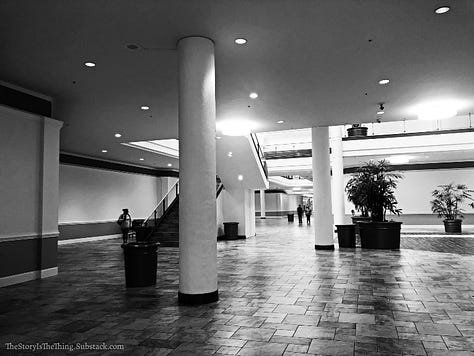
(308, 211)
(125, 222)
(299, 211)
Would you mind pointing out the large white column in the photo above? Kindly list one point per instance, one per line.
(337, 168)
(262, 204)
(197, 172)
(323, 220)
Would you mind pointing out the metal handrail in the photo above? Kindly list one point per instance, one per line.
(162, 203)
(260, 154)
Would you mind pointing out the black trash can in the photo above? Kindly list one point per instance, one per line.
(231, 230)
(346, 235)
(143, 233)
(140, 263)
(291, 217)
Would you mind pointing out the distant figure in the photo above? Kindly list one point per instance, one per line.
(308, 211)
(299, 210)
(125, 222)
(353, 212)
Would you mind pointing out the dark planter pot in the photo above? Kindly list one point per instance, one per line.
(380, 235)
(231, 230)
(346, 235)
(291, 217)
(452, 225)
(357, 219)
(140, 263)
(357, 131)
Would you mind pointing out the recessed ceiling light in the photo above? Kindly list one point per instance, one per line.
(253, 95)
(280, 122)
(89, 64)
(169, 164)
(118, 135)
(240, 177)
(380, 112)
(104, 151)
(229, 154)
(384, 81)
(142, 159)
(442, 9)
(218, 137)
(144, 107)
(240, 41)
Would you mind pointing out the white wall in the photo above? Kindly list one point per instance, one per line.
(20, 172)
(414, 190)
(95, 195)
(279, 202)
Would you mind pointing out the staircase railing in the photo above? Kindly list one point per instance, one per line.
(261, 155)
(155, 216)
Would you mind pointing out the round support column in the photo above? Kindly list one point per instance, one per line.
(262, 204)
(197, 172)
(322, 208)
(337, 168)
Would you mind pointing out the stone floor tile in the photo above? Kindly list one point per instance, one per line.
(255, 348)
(417, 296)
(437, 329)
(324, 347)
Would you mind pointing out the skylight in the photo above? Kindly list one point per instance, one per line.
(169, 147)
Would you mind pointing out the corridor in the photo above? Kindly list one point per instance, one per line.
(278, 296)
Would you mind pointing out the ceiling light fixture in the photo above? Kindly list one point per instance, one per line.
(218, 137)
(442, 10)
(169, 164)
(240, 177)
(384, 81)
(381, 112)
(437, 110)
(235, 127)
(229, 154)
(253, 95)
(89, 64)
(142, 159)
(144, 107)
(104, 151)
(280, 122)
(118, 135)
(240, 41)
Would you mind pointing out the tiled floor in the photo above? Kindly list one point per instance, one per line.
(278, 296)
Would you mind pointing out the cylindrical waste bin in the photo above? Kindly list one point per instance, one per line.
(140, 263)
(231, 230)
(346, 235)
(291, 217)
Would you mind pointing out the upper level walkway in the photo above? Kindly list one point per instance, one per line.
(278, 296)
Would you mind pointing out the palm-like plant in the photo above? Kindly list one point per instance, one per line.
(371, 190)
(448, 200)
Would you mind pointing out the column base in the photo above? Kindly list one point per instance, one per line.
(198, 299)
(324, 247)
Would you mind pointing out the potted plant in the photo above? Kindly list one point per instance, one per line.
(371, 189)
(447, 202)
(357, 130)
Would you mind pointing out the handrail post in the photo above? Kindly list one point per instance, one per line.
(154, 213)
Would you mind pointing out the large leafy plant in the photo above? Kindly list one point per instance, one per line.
(371, 190)
(448, 199)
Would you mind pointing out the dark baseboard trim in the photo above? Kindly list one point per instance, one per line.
(65, 158)
(324, 247)
(198, 299)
